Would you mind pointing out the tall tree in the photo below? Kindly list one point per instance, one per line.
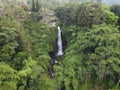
(37, 6)
(33, 5)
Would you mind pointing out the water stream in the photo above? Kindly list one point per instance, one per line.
(55, 56)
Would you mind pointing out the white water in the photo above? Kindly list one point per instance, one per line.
(54, 24)
(59, 53)
(59, 42)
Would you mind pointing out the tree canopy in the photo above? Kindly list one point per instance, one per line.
(28, 43)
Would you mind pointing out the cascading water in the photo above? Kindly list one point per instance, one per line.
(54, 56)
(59, 42)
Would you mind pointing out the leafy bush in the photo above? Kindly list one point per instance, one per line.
(8, 77)
(86, 14)
(91, 59)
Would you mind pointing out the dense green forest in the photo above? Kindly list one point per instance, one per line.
(91, 43)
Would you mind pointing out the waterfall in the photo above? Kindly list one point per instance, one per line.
(59, 43)
(55, 56)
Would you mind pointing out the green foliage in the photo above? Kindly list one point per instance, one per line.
(115, 9)
(86, 63)
(44, 83)
(39, 36)
(41, 39)
(8, 77)
(24, 46)
(43, 61)
(91, 59)
(27, 69)
(89, 15)
(25, 73)
(8, 44)
(85, 15)
(110, 17)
